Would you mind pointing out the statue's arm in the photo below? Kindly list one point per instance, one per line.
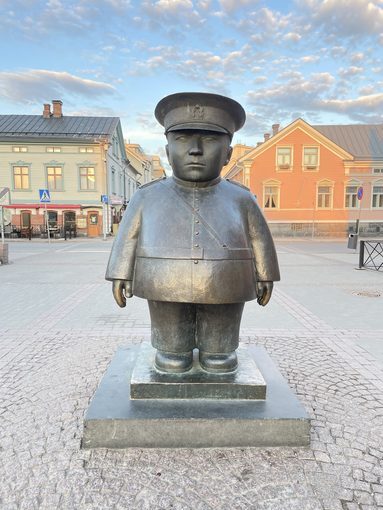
(265, 256)
(120, 269)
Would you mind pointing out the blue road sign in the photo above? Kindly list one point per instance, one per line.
(104, 199)
(360, 193)
(44, 195)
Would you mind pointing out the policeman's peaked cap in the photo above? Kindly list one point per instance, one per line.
(199, 110)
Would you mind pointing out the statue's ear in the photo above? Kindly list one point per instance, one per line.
(167, 152)
(229, 153)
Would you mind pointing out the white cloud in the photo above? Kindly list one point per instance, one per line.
(350, 71)
(350, 18)
(357, 57)
(41, 85)
(232, 5)
(296, 92)
(309, 59)
(362, 104)
(292, 36)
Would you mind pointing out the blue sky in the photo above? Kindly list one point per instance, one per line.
(319, 60)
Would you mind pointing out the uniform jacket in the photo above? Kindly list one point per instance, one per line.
(193, 242)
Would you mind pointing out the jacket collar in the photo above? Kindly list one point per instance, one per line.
(192, 184)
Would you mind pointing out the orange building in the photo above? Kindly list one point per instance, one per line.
(306, 178)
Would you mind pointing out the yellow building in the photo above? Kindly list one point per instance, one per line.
(81, 161)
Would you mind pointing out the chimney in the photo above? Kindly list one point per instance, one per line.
(47, 111)
(275, 128)
(266, 136)
(57, 108)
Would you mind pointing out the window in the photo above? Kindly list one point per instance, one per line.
(115, 146)
(18, 148)
(271, 197)
(113, 184)
(324, 197)
(53, 149)
(284, 158)
(310, 158)
(55, 178)
(87, 178)
(21, 177)
(52, 219)
(351, 198)
(86, 149)
(377, 170)
(377, 196)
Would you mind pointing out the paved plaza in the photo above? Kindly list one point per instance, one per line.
(59, 329)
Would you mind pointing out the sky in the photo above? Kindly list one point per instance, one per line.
(318, 60)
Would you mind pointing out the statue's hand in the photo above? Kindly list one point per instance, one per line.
(264, 291)
(122, 289)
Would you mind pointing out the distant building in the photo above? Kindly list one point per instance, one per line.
(79, 159)
(140, 162)
(306, 178)
(158, 170)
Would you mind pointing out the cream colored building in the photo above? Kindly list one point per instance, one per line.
(81, 161)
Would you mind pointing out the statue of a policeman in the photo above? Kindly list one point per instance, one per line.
(194, 245)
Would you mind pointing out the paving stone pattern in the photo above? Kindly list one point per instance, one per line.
(49, 372)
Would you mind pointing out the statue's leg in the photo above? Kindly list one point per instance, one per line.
(218, 336)
(173, 335)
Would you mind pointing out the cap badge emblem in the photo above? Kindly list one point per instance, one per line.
(198, 112)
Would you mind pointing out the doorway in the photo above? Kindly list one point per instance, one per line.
(93, 224)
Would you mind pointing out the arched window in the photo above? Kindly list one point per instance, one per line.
(271, 194)
(351, 194)
(325, 194)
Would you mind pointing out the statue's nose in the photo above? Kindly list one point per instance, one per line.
(195, 146)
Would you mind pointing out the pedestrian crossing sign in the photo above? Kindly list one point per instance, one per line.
(44, 195)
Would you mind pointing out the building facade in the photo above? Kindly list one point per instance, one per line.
(81, 161)
(316, 180)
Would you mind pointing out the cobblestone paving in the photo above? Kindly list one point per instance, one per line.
(49, 372)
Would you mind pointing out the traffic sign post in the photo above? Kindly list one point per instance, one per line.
(45, 197)
(105, 202)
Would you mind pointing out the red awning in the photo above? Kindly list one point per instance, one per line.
(42, 206)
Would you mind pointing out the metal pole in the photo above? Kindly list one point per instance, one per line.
(361, 254)
(104, 221)
(47, 223)
(2, 224)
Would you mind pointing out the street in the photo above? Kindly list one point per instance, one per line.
(59, 328)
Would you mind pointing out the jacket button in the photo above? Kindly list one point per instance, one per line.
(195, 261)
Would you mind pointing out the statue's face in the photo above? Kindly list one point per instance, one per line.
(197, 156)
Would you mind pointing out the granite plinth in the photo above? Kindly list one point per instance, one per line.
(246, 382)
(114, 420)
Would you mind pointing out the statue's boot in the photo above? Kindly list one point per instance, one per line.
(218, 362)
(173, 362)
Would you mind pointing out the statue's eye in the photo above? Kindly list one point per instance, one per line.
(180, 138)
(209, 138)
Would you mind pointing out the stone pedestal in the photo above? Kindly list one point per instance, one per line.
(115, 420)
(246, 383)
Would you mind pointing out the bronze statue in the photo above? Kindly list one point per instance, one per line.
(196, 246)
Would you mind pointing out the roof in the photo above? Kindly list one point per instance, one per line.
(364, 141)
(34, 127)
